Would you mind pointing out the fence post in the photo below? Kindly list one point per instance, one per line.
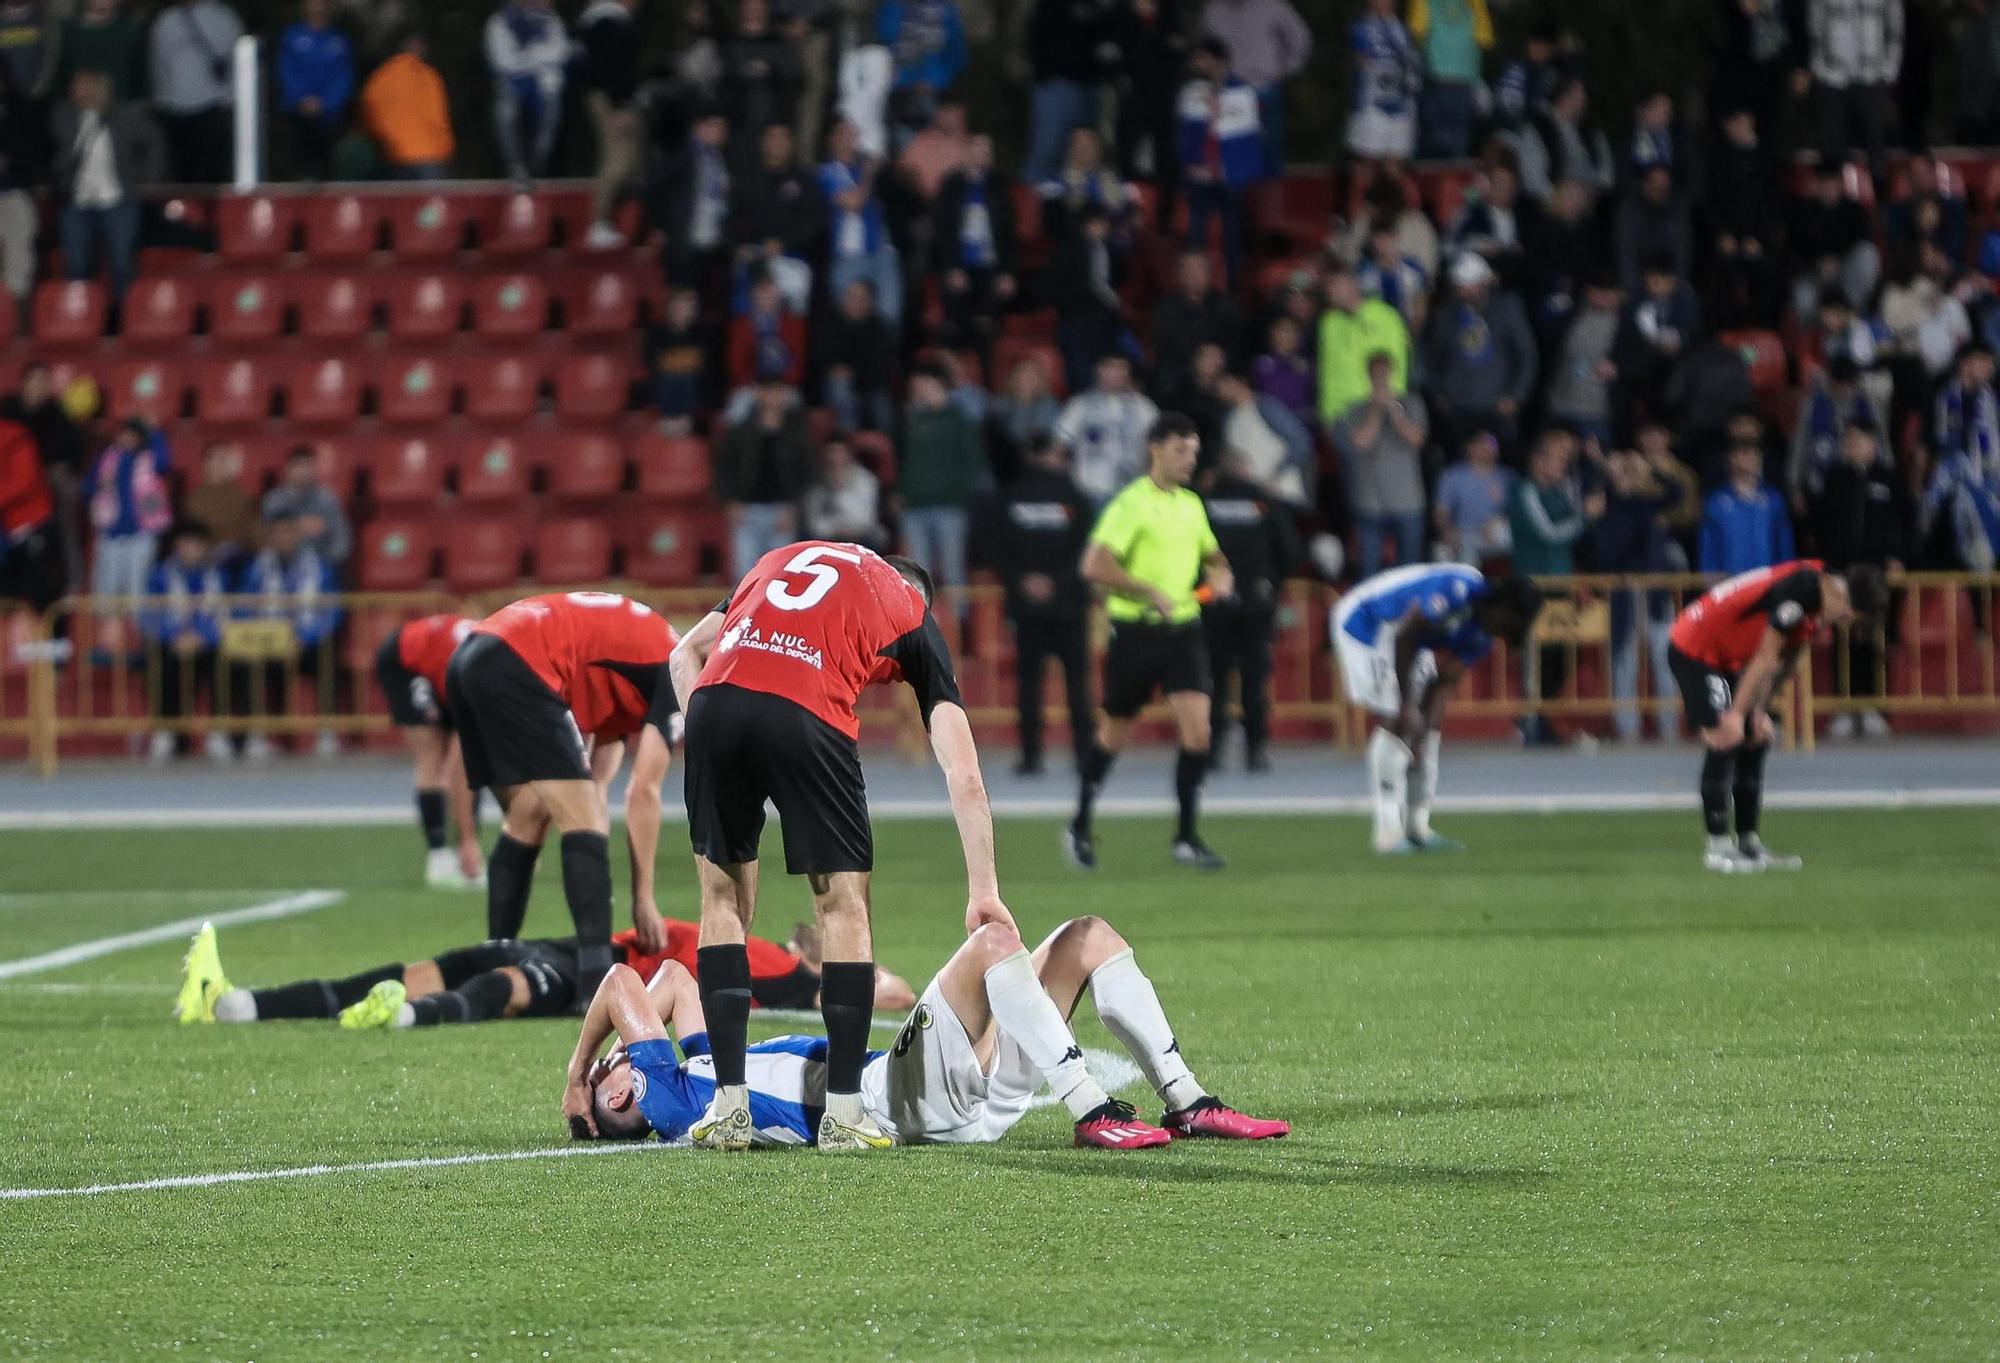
(42, 700)
(249, 112)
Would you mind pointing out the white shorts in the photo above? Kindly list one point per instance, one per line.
(1388, 137)
(1369, 670)
(930, 1088)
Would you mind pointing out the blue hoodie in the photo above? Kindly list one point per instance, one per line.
(1739, 533)
(315, 63)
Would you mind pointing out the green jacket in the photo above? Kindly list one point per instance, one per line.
(1346, 340)
(943, 458)
(1546, 525)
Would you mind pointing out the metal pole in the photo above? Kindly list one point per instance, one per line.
(249, 113)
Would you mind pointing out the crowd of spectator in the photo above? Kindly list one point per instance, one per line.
(1550, 372)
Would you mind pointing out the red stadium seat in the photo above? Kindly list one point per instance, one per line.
(412, 390)
(504, 389)
(426, 226)
(254, 228)
(492, 470)
(601, 303)
(574, 550)
(406, 470)
(244, 308)
(425, 307)
(663, 548)
(324, 392)
(334, 308)
(593, 387)
(1009, 351)
(586, 467)
(342, 228)
(233, 393)
(510, 305)
(158, 312)
(1763, 355)
(673, 468)
(516, 224)
(144, 388)
(481, 553)
(396, 554)
(69, 312)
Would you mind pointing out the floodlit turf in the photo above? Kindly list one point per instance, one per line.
(1563, 1097)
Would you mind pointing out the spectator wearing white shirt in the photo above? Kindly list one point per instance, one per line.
(193, 88)
(1856, 53)
(105, 153)
(528, 52)
(1104, 430)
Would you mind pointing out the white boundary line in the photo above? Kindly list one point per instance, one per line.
(1042, 807)
(303, 902)
(315, 1170)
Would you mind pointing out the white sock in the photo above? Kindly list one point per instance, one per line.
(236, 1006)
(1721, 842)
(406, 1016)
(1388, 779)
(1026, 1013)
(844, 1108)
(1130, 1010)
(1424, 788)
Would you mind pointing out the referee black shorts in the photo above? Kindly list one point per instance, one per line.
(745, 747)
(413, 702)
(512, 727)
(1145, 658)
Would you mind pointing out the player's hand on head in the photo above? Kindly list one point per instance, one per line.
(981, 911)
(576, 1107)
(652, 928)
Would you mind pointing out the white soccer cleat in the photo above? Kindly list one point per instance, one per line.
(217, 748)
(726, 1123)
(1730, 861)
(1753, 847)
(160, 748)
(862, 1133)
(1873, 725)
(257, 748)
(441, 870)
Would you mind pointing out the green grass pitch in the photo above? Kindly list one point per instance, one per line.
(1563, 1097)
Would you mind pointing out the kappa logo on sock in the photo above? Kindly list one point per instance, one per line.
(1173, 1046)
(1073, 1053)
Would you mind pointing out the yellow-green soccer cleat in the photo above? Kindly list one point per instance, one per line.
(378, 1010)
(862, 1134)
(202, 981)
(726, 1124)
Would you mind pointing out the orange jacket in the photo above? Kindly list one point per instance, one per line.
(403, 107)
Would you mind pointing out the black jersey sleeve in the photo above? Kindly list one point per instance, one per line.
(1792, 599)
(925, 662)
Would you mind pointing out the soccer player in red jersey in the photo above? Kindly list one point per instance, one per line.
(536, 691)
(409, 668)
(1729, 650)
(768, 681)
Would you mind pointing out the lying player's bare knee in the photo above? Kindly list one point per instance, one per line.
(422, 979)
(518, 995)
(992, 943)
(1080, 946)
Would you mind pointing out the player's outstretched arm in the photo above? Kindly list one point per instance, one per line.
(621, 1004)
(690, 655)
(958, 757)
(650, 759)
(676, 997)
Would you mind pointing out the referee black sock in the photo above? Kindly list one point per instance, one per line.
(1189, 768)
(724, 972)
(319, 998)
(1715, 769)
(847, 1006)
(430, 814)
(1096, 769)
(586, 872)
(1749, 789)
(510, 875)
(480, 999)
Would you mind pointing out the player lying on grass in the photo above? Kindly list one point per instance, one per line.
(489, 980)
(1730, 650)
(1404, 637)
(990, 1030)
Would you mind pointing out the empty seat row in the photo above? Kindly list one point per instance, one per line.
(414, 305)
(651, 546)
(413, 225)
(401, 389)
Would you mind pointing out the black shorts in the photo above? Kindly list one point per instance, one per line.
(413, 701)
(1143, 659)
(746, 747)
(549, 963)
(800, 989)
(512, 727)
(1705, 691)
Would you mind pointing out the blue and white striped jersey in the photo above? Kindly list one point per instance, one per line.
(1443, 593)
(786, 1076)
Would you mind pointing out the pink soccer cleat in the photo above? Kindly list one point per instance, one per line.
(1207, 1116)
(1118, 1126)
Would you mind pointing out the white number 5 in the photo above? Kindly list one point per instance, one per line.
(824, 578)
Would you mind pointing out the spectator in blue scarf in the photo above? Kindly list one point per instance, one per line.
(182, 626)
(859, 245)
(528, 52)
(288, 581)
(1834, 401)
(315, 86)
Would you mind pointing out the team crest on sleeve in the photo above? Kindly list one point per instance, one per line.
(1788, 614)
(1439, 604)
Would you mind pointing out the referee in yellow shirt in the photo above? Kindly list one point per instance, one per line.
(1149, 550)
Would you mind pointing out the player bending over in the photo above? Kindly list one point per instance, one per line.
(768, 682)
(409, 669)
(488, 980)
(1404, 638)
(1729, 651)
(990, 1030)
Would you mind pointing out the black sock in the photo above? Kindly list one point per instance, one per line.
(355, 988)
(586, 869)
(1096, 768)
(510, 875)
(1715, 769)
(480, 999)
(724, 972)
(847, 1005)
(306, 999)
(430, 814)
(1189, 768)
(1749, 790)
